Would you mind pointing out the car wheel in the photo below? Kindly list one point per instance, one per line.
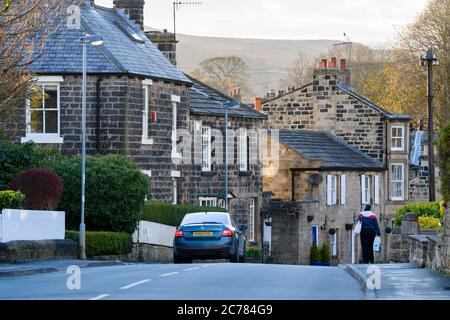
(235, 257)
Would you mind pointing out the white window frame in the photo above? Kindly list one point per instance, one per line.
(402, 182)
(174, 191)
(203, 201)
(333, 240)
(343, 189)
(54, 138)
(206, 148)
(251, 221)
(175, 102)
(365, 189)
(146, 112)
(331, 189)
(376, 187)
(401, 137)
(243, 150)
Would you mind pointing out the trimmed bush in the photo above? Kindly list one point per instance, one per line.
(443, 149)
(101, 243)
(16, 158)
(325, 255)
(253, 252)
(115, 192)
(429, 223)
(314, 254)
(11, 199)
(42, 188)
(170, 214)
(422, 209)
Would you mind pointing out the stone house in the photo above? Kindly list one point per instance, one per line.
(206, 174)
(319, 184)
(328, 103)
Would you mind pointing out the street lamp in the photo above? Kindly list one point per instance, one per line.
(228, 105)
(430, 60)
(93, 40)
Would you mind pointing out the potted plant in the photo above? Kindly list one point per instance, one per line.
(314, 255)
(325, 255)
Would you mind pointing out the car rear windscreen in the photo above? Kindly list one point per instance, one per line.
(204, 218)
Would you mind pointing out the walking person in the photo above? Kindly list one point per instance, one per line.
(369, 230)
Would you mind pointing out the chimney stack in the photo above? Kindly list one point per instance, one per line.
(323, 64)
(133, 8)
(344, 73)
(332, 63)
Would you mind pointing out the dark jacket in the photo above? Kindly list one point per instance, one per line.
(369, 222)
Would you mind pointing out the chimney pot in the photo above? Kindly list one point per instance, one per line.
(343, 64)
(258, 103)
(323, 64)
(332, 62)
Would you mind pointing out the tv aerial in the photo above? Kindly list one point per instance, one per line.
(177, 6)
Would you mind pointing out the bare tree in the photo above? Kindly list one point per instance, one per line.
(24, 25)
(224, 74)
(300, 71)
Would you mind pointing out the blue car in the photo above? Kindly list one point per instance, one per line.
(209, 235)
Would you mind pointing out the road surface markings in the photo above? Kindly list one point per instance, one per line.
(102, 296)
(168, 274)
(205, 265)
(190, 269)
(134, 284)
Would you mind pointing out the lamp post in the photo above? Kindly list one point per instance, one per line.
(430, 60)
(227, 105)
(94, 40)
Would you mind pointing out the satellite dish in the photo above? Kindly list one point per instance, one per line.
(315, 179)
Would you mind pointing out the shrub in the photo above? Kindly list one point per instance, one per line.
(42, 188)
(429, 223)
(170, 214)
(325, 255)
(101, 243)
(11, 199)
(422, 209)
(314, 253)
(16, 158)
(115, 192)
(253, 251)
(443, 149)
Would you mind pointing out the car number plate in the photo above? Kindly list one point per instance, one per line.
(202, 234)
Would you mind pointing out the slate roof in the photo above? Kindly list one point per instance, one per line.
(126, 49)
(335, 153)
(386, 113)
(207, 101)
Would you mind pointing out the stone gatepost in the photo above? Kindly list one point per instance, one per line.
(400, 238)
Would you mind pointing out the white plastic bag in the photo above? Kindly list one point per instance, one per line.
(358, 227)
(377, 244)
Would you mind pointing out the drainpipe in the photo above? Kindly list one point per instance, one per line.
(97, 115)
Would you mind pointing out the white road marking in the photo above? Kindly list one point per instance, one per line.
(205, 265)
(134, 284)
(102, 296)
(190, 269)
(168, 274)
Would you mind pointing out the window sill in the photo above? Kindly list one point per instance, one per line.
(397, 150)
(43, 138)
(147, 141)
(245, 173)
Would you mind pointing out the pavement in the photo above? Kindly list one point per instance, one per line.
(197, 281)
(402, 281)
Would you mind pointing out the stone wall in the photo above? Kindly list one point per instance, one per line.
(25, 251)
(446, 240)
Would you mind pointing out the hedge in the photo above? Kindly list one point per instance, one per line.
(11, 199)
(101, 243)
(16, 157)
(429, 223)
(170, 214)
(422, 209)
(115, 192)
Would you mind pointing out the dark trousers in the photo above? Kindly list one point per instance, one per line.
(367, 238)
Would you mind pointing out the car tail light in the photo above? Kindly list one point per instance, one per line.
(227, 233)
(179, 233)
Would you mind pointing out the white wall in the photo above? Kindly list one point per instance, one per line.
(31, 225)
(154, 233)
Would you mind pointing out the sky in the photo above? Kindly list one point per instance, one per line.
(372, 22)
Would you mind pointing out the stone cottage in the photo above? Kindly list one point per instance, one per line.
(320, 184)
(206, 174)
(136, 99)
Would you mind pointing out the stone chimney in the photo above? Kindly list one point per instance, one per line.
(133, 8)
(344, 74)
(166, 43)
(328, 74)
(235, 93)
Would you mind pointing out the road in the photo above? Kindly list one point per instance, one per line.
(211, 281)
